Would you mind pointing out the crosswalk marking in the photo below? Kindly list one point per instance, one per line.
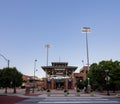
(90, 102)
(51, 99)
(77, 101)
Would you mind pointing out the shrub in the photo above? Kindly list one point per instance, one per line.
(65, 90)
(78, 90)
(48, 90)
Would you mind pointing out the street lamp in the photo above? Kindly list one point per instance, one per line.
(88, 86)
(8, 61)
(88, 81)
(86, 30)
(83, 62)
(107, 78)
(34, 68)
(34, 74)
(47, 46)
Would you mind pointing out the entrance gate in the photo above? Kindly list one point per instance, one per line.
(59, 83)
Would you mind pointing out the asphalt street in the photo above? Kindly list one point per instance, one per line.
(65, 100)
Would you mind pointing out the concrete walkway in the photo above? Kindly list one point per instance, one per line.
(72, 93)
(55, 93)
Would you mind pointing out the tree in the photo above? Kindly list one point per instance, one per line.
(11, 77)
(115, 76)
(97, 74)
(0, 78)
(6, 78)
(79, 83)
(16, 78)
(93, 74)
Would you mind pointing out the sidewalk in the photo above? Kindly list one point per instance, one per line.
(20, 95)
(54, 93)
(72, 93)
(19, 92)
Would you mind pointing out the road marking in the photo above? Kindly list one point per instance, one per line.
(65, 99)
(77, 101)
(91, 102)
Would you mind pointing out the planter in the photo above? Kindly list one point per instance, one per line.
(66, 93)
(77, 93)
(92, 94)
(48, 93)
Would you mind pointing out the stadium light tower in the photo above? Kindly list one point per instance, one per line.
(47, 46)
(86, 30)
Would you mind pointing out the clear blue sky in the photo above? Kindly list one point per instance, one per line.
(27, 25)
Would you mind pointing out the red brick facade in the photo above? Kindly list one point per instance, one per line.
(62, 76)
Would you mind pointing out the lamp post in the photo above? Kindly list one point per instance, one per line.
(107, 78)
(47, 46)
(34, 74)
(83, 62)
(86, 30)
(8, 61)
(88, 86)
(34, 68)
(88, 81)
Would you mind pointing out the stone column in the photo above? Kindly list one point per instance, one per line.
(52, 82)
(66, 83)
(45, 83)
(73, 83)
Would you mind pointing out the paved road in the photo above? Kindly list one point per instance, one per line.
(98, 100)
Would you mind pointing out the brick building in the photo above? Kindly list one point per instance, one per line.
(61, 76)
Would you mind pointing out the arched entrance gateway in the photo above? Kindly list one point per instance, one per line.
(59, 83)
(59, 76)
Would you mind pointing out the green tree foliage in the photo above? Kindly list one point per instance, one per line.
(16, 78)
(6, 78)
(115, 75)
(0, 78)
(79, 83)
(97, 75)
(10, 77)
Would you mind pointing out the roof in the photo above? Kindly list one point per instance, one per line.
(59, 65)
(84, 68)
(60, 62)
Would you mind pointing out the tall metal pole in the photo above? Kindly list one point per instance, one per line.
(34, 68)
(83, 63)
(8, 61)
(88, 81)
(34, 74)
(47, 46)
(87, 50)
(107, 82)
(86, 30)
